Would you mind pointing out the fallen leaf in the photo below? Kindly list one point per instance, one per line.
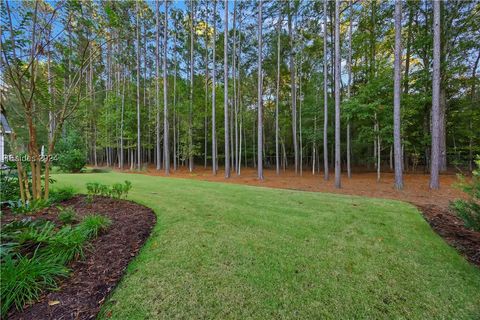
(53, 302)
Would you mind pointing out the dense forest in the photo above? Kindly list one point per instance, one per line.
(322, 87)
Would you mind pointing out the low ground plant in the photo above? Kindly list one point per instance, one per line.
(67, 215)
(34, 254)
(116, 191)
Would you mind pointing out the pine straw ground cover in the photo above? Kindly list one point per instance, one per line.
(230, 251)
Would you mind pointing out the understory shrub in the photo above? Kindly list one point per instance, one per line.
(71, 152)
(469, 210)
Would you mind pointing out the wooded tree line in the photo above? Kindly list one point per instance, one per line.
(382, 85)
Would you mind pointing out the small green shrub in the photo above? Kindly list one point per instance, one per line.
(24, 278)
(61, 194)
(92, 224)
(67, 215)
(117, 191)
(469, 210)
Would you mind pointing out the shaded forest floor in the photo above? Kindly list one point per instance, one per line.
(416, 190)
(432, 204)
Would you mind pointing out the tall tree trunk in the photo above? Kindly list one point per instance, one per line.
(277, 97)
(337, 95)
(190, 113)
(293, 87)
(175, 135)
(435, 149)
(409, 50)
(349, 62)
(166, 143)
(325, 93)
(138, 87)
(157, 85)
(122, 121)
(397, 140)
(259, 96)
(214, 74)
(225, 91)
(234, 76)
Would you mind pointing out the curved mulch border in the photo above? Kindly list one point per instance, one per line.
(452, 229)
(81, 295)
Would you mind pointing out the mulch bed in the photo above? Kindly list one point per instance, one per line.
(81, 295)
(452, 229)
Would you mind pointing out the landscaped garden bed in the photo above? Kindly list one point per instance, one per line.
(92, 275)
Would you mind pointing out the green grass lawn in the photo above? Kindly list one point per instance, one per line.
(228, 251)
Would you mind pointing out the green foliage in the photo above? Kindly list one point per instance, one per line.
(67, 215)
(117, 191)
(30, 206)
(61, 194)
(469, 210)
(92, 224)
(10, 188)
(24, 279)
(33, 253)
(71, 152)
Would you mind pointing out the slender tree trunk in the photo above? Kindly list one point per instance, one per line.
(225, 88)
(293, 88)
(234, 76)
(122, 121)
(175, 135)
(397, 140)
(337, 95)
(277, 97)
(138, 88)
(157, 85)
(435, 149)
(166, 143)
(259, 96)
(214, 74)
(190, 113)
(349, 169)
(325, 94)
(408, 54)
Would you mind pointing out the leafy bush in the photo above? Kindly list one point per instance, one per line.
(71, 152)
(469, 210)
(67, 215)
(24, 278)
(61, 194)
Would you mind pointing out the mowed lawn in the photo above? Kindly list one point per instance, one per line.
(226, 251)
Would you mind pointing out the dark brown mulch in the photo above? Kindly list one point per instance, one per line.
(82, 294)
(452, 229)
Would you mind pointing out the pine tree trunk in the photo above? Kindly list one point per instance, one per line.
(157, 85)
(277, 98)
(138, 88)
(225, 91)
(337, 96)
(435, 149)
(396, 96)
(166, 143)
(214, 74)
(259, 97)
(325, 94)
(293, 88)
